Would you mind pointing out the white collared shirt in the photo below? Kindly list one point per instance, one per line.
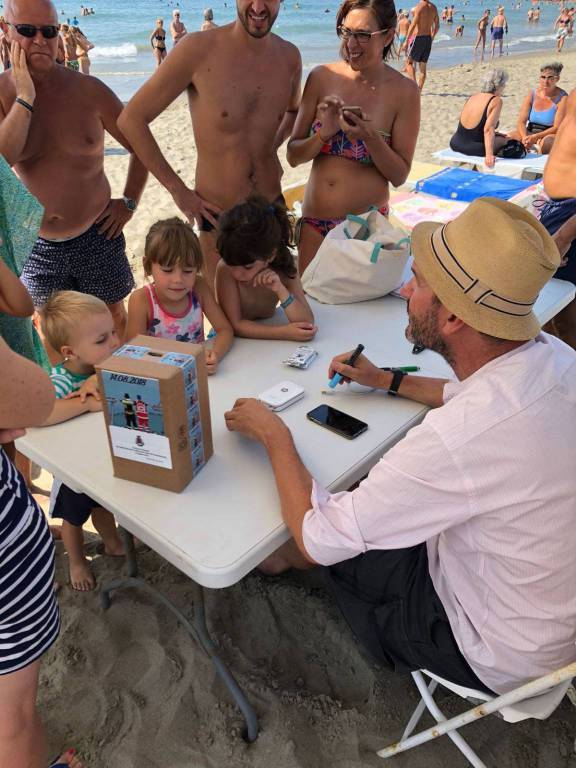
(488, 481)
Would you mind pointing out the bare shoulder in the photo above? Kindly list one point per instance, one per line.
(405, 85)
(138, 299)
(289, 50)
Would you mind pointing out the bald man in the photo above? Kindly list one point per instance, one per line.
(559, 214)
(52, 125)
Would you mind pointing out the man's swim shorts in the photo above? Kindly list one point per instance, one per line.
(497, 33)
(88, 263)
(421, 48)
(553, 214)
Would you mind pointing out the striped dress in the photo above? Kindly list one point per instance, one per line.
(29, 615)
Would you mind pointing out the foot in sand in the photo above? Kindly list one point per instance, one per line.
(68, 758)
(81, 576)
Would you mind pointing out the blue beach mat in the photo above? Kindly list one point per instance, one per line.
(460, 184)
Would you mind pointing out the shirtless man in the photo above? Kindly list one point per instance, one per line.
(423, 29)
(177, 28)
(208, 22)
(52, 123)
(559, 215)
(482, 26)
(243, 87)
(498, 27)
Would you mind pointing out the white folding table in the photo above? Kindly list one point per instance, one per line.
(228, 519)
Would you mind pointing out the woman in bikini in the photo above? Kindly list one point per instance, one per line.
(356, 153)
(158, 42)
(542, 111)
(83, 45)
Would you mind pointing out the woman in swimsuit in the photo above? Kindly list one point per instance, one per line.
(355, 154)
(476, 133)
(542, 111)
(83, 45)
(158, 42)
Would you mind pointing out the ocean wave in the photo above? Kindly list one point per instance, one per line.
(122, 51)
(532, 39)
(442, 38)
(102, 73)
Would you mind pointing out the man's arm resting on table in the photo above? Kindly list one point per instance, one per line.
(293, 481)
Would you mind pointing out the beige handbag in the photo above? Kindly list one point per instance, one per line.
(360, 259)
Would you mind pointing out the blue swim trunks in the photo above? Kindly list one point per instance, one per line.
(88, 263)
(553, 214)
(497, 33)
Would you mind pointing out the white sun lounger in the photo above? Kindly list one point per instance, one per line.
(533, 163)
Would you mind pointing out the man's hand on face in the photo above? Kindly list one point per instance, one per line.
(114, 218)
(253, 419)
(25, 89)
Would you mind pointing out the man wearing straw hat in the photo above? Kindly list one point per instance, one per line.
(456, 553)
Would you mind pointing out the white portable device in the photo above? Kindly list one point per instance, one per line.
(282, 395)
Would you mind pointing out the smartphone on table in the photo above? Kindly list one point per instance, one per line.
(337, 421)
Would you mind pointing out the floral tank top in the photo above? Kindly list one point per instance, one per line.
(188, 326)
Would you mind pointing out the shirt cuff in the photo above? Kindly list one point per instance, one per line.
(330, 530)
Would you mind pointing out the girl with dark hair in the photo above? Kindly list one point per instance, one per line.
(358, 122)
(257, 271)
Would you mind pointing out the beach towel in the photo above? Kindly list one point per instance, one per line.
(20, 217)
(460, 184)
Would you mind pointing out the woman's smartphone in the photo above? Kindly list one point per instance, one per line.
(355, 110)
(337, 421)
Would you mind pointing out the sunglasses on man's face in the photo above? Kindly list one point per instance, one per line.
(49, 31)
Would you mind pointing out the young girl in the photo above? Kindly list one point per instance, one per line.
(173, 305)
(256, 271)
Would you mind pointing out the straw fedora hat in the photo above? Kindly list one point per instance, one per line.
(488, 266)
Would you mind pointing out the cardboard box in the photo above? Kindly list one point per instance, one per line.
(157, 411)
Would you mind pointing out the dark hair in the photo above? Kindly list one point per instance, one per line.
(170, 242)
(255, 230)
(384, 11)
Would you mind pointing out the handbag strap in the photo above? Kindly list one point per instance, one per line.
(378, 246)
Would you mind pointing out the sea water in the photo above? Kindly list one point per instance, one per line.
(121, 29)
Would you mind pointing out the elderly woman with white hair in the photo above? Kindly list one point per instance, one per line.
(476, 133)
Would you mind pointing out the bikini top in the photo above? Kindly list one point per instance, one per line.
(189, 326)
(341, 146)
(160, 37)
(545, 116)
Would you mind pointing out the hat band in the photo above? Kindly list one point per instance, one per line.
(475, 289)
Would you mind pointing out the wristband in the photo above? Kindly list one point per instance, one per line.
(397, 377)
(286, 303)
(25, 104)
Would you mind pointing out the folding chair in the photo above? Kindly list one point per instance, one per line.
(537, 699)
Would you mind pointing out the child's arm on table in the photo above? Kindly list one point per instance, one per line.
(68, 409)
(14, 298)
(218, 321)
(138, 314)
(229, 299)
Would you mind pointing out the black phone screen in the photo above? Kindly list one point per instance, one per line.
(337, 421)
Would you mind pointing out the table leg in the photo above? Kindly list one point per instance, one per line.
(196, 628)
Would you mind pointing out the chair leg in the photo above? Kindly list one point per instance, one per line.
(419, 711)
(436, 713)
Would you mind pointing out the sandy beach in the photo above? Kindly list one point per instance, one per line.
(130, 689)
